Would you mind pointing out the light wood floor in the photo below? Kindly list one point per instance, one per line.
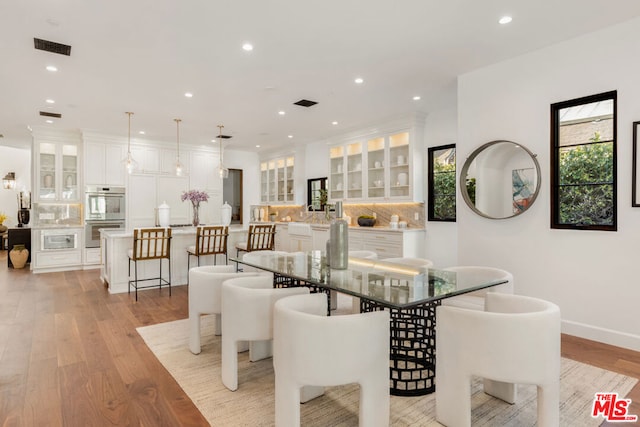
(70, 354)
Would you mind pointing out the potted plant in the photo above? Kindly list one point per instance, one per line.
(3, 227)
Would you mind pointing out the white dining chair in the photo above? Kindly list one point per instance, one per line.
(516, 340)
(312, 351)
(205, 295)
(247, 316)
(474, 274)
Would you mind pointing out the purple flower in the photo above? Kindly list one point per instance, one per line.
(195, 196)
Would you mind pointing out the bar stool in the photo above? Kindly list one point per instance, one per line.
(150, 244)
(210, 240)
(261, 237)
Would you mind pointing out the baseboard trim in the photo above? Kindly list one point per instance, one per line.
(603, 335)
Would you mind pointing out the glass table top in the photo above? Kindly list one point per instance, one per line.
(391, 284)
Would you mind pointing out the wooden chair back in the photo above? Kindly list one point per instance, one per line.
(261, 237)
(211, 240)
(151, 243)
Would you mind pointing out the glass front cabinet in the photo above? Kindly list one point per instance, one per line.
(57, 171)
(276, 180)
(375, 168)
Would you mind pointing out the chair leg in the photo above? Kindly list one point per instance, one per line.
(194, 332)
(160, 290)
(135, 269)
(229, 365)
(169, 262)
(548, 405)
(287, 403)
(375, 402)
(188, 266)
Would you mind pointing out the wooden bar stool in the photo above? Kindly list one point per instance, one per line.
(150, 244)
(261, 237)
(210, 240)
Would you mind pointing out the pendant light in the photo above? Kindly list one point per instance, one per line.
(179, 166)
(224, 172)
(129, 162)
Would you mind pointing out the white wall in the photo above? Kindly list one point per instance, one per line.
(441, 245)
(19, 161)
(591, 275)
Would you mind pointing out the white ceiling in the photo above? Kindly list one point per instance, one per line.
(143, 55)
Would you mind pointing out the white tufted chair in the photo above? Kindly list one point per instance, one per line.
(475, 300)
(311, 351)
(247, 315)
(516, 340)
(255, 254)
(205, 295)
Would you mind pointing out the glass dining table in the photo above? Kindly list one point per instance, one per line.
(411, 295)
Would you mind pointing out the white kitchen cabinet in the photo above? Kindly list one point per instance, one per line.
(281, 242)
(388, 243)
(277, 180)
(147, 192)
(148, 159)
(48, 260)
(103, 164)
(379, 166)
(57, 171)
(319, 237)
(203, 174)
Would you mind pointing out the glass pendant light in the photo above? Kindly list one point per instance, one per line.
(224, 172)
(179, 166)
(129, 162)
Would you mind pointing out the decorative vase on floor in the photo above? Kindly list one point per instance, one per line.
(196, 213)
(18, 256)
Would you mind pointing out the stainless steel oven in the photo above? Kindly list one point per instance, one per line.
(104, 203)
(92, 231)
(56, 240)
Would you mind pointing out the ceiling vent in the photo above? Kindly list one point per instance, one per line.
(47, 114)
(52, 47)
(224, 136)
(305, 103)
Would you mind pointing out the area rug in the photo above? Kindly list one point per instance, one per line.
(253, 403)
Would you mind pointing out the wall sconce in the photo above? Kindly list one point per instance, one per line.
(9, 181)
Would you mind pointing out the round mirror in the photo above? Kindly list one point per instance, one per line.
(500, 179)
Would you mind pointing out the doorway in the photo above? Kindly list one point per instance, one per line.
(232, 194)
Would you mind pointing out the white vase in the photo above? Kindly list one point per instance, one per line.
(225, 214)
(403, 178)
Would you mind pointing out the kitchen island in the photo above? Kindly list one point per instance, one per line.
(114, 244)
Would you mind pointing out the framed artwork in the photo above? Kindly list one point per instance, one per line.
(522, 186)
(635, 186)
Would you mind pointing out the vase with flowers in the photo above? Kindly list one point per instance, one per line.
(195, 196)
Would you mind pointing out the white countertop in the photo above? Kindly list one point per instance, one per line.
(117, 233)
(353, 227)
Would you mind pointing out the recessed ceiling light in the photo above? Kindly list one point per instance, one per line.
(359, 80)
(282, 113)
(141, 132)
(258, 146)
(247, 46)
(50, 101)
(52, 68)
(289, 136)
(334, 123)
(188, 95)
(49, 121)
(416, 98)
(505, 20)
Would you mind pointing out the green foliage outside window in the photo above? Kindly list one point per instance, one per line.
(586, 184)
(442, 184)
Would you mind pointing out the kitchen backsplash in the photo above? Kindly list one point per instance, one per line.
(406, 211)
(56, 214)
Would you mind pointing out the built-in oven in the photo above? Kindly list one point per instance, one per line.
(104, 203)
(57, 240)
(92, 231)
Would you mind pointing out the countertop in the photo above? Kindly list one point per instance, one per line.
(351, 227)
(176, 231)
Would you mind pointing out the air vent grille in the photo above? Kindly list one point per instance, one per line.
(305, 103)
(52, 47)
(224, 136)
(47, 114)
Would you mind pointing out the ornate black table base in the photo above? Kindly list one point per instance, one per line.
(413, 347)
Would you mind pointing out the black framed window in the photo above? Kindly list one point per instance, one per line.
(442, 183)
(317, 194)
(583, 163)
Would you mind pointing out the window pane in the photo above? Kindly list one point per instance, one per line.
(584, 163)
(442, 183)
(587, 164)
(586, 205)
